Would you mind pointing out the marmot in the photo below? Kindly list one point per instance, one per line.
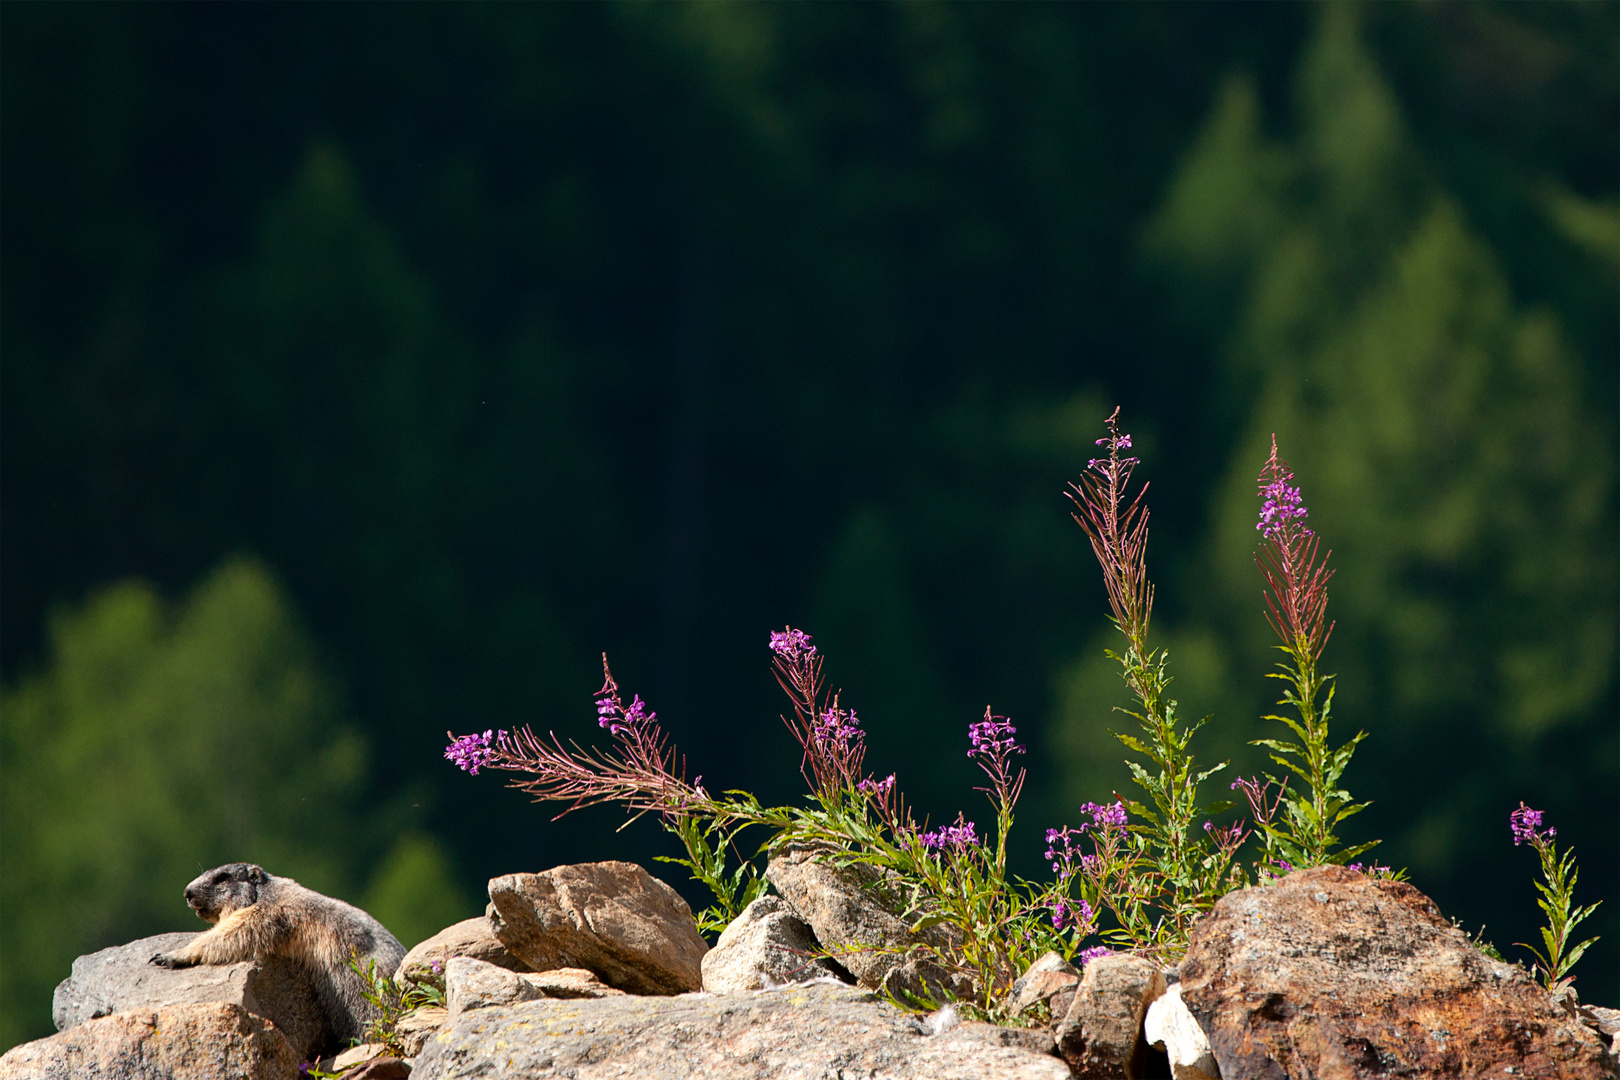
(257, 915)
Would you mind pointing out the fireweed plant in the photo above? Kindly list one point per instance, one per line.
(1557, 888)
(1135, 876)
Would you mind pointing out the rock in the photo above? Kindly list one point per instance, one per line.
(1606, 1022)
(418, 1025)
(473, 984)
(354, 1055)
(1170, 1027)
(1045, 980)
(765, 946)
(569, 983)
(812, 1031)
(854, 912)
(380, 1068)
(470, 937)
(1101, 1034)
(1328, 972)
(193, 1041)
(1037, 1040)
(613, 918)
(120, 979)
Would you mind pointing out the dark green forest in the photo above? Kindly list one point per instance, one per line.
(367, 372)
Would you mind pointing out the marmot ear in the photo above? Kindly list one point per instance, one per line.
(257, 875)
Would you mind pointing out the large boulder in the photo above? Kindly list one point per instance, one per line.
(120, 979)
(196, 1041)
(1101, 1034)
(819, 1030)
(1328, 972)
(612, 918)
(855, 912)
(471, 937)
(765, 946)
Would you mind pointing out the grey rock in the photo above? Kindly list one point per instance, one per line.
(471, 937)
(613, 918)
(855, 912)
(1101, 1034)
(196, 1041)
(120, 979)
(417, 1026)
(765, 946)
(810, 1032)
(1035, 1040)
(473, 984)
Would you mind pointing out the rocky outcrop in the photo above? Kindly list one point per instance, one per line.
(854, 912)
(120, 979)
(1101, 1034)
(1330, 973)
(196, 1041)
(612, 918)
(820, 1030)
(470, 937)
(765, 946)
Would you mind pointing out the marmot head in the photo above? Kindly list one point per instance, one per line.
(221, 891)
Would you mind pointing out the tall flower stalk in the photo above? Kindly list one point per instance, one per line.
(1187, 866)
(1557, 888)
(1296, 577)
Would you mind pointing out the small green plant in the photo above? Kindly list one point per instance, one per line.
(1557, 888)
(392, 1001)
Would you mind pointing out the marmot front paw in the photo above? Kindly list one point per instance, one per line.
(168, 960)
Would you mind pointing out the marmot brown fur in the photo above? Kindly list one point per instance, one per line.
(258, 915)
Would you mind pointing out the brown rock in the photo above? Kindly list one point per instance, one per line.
(569, 983)
(417, 1026)
(207, 1041)
(613, 918)
(1101, 1034)
(470, 937)
(1044, 980)
(765, 946)
(380, 1068)
(1330, 973)
(855, 911)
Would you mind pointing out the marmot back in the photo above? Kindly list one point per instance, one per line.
(257, 915)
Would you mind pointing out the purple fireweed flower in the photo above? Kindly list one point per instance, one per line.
(1062, 849)
(472, 752)
(951, 838)
(992, 738)
(1116, 524)
(1104, 816)
(838, 729)
(791, 644)
(1094, 953)
(1081, 918)
(878, 789)
(612, 714)
(1296, 580)
(1526, 825)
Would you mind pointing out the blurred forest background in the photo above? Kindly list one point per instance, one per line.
(368, 372)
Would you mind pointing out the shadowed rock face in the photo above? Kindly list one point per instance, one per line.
(202, 1041)
(854, 913)
(766, 946)
(613, 918)
(470, 937)
(797, 1033)
(1329, 973)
